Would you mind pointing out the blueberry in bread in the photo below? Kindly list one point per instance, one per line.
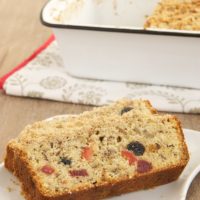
(110, 150)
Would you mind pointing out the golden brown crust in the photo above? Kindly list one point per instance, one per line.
(151, 108)
(9, 159)
(185, 154)
(144, 181)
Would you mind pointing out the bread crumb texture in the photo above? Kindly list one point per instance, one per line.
(175, 14)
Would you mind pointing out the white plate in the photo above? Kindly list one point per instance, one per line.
(10, 190)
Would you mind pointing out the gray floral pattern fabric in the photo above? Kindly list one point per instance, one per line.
(46, 77)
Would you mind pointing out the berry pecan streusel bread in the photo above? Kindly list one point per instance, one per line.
(175, 14)
(111, 150)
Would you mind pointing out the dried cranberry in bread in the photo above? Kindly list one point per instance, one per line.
(110, 150)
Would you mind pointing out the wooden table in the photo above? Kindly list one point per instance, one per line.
(21, 33)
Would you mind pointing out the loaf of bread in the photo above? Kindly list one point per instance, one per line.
(110, 150)
(175, 14)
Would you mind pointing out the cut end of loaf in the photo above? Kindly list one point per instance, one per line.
(115, 145)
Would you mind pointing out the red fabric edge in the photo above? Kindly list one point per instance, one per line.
(27, 60)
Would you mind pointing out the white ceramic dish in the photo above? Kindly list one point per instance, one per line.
(10, 190)
(102, 39)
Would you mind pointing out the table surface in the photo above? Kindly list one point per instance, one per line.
(21, 33)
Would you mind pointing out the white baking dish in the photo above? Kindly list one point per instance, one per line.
(105, 39)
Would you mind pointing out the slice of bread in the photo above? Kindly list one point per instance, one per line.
(108, 151)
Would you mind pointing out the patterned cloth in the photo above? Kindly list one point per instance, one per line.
(46, 77)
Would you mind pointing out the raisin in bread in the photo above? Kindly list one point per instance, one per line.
(175, 14)
(108, 151)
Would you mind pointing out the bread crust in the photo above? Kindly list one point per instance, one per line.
(185, 154)
(150, 107)
(8, 162)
